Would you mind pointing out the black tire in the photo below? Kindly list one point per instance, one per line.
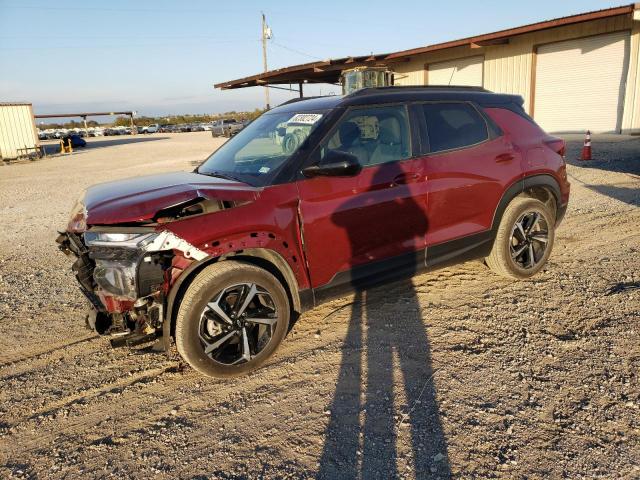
(531, 252)
(216, 280)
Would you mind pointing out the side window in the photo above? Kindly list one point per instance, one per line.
(374, 135)
(453, 125)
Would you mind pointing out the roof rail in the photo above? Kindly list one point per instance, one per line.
(372, 90)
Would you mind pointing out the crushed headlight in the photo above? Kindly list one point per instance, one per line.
(116, 256)
(116, 277)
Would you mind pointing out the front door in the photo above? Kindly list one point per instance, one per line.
(360, 227)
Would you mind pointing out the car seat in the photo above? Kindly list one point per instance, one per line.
(350, 142)
(389, 146)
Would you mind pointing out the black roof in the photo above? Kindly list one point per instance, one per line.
(369, 96)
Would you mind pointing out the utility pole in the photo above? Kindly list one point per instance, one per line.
(266, 35)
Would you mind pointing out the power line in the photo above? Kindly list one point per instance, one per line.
(293, 50)
(106, 9)
(121, 46)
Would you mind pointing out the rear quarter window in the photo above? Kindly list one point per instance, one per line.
(453, 125)
(519, 126)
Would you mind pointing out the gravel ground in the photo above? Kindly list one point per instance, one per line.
(458, 373)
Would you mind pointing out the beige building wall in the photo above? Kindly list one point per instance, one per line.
(510, 68)
(17, 129)
(631, 115)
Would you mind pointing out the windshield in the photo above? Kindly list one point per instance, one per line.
(256, 152)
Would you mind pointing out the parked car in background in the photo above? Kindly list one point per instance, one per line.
(227, 127)
(317, 198)
(143, 129)
(206, 126)
(166, 128)
(153, 128)
(76, 140)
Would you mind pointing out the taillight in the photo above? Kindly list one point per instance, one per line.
(562, 150)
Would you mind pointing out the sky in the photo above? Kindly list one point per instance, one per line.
(162, 57)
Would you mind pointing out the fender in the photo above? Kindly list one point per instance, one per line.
(516, 188)
(266, 258)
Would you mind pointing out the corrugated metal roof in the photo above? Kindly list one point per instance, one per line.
(328, 71)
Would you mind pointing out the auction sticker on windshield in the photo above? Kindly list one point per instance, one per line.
(305, 118)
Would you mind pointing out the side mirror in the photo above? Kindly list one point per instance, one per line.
(335, 164)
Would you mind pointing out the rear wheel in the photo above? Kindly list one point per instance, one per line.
(524, 239)
(231, 319)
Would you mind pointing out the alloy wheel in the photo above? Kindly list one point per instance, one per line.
(238, 323)
(529, 240)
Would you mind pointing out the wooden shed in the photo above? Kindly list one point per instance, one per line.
(18, 133)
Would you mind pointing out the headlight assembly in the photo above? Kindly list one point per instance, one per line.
(117, 256)
(116, 277)
(125, 240)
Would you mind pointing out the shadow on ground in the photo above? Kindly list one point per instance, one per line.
(367, 426)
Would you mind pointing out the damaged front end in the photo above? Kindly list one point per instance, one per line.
(126, 256)
(125, 273)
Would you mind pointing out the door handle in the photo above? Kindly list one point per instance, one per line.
(504, 158)
(405, 178)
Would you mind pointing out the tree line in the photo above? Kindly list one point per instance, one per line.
(165, 119)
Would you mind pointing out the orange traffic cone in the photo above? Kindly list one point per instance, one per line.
(586, 148)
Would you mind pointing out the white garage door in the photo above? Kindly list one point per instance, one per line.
(463, 71)
(580, 84)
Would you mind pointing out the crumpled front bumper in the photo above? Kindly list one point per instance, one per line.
(127, 285)
(72, 244)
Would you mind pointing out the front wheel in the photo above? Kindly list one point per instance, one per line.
(524, 239)
(231, 319)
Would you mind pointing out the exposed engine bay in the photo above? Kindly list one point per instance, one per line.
(126, 277)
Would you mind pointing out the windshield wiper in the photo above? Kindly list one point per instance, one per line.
(226, 176)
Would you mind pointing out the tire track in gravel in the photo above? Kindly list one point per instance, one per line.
(11, 358)
(123, 401)
(86, 396)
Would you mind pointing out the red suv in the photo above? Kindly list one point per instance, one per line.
(315, 198)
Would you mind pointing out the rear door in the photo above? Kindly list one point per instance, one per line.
(358, 227)
(468, 167)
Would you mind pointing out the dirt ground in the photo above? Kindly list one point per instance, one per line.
(458, 374)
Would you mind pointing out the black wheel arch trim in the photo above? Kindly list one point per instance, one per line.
(265, 258)
(516, 188)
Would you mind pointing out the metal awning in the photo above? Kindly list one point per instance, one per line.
(328, 71)
(324, 71)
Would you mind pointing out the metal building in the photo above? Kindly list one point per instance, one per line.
(575, 73)
(18, 134)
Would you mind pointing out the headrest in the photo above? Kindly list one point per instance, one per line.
(349, 133)
(390, 131)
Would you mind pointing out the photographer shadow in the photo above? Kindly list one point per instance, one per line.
(366, 422)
